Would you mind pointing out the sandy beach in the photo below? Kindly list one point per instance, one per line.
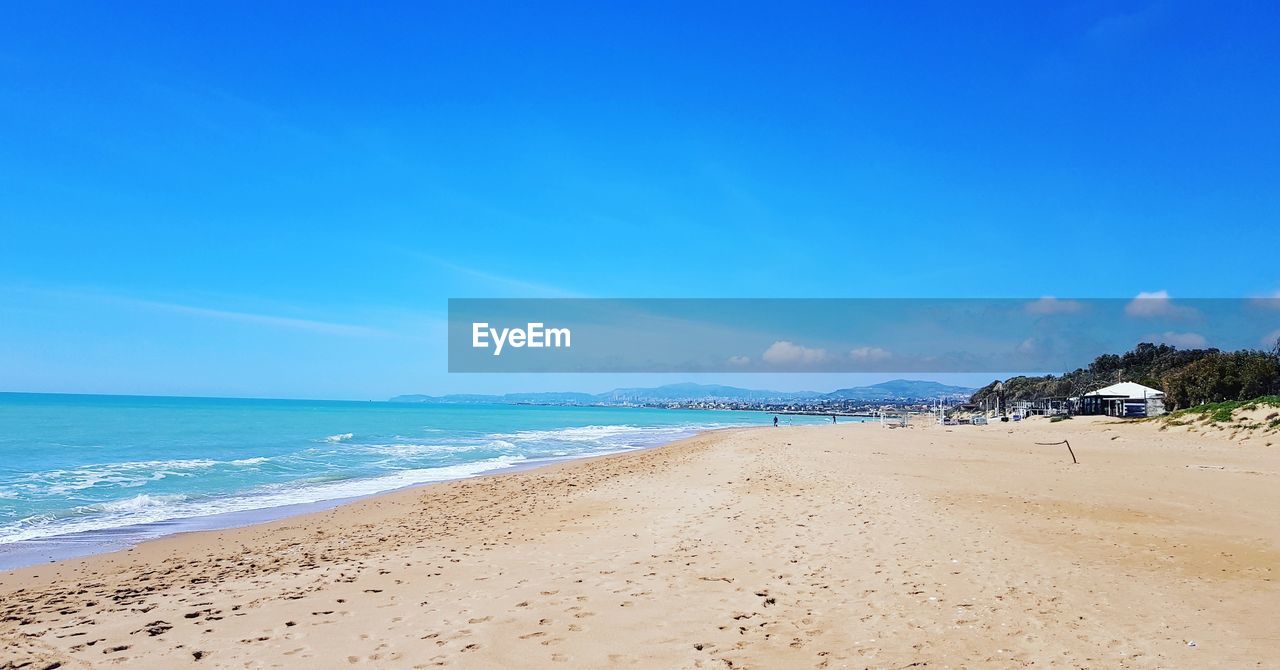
(823, 546)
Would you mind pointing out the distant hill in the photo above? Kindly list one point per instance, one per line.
(895, 390)
(901, 389)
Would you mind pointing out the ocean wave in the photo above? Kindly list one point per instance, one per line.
(604, 437)
(125, 475)
(137, 503)
(114, 495)
(129, 474)
(412, 450)
(143, 509)
(575, 434)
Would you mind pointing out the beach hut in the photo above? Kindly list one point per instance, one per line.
(1123, 399)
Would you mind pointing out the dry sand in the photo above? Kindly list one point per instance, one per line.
(826, 546)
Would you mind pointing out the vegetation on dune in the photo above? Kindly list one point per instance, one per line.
(1188, 377)
(1239, 375)
(1221, 412)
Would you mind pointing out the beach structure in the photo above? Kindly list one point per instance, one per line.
(1125, 399)
(890, 418)
(1042, 406)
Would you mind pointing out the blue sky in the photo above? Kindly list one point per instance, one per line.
(261, 199)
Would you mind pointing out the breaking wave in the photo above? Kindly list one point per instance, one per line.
(58, 484)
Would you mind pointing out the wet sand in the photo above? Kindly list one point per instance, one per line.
(823, 546)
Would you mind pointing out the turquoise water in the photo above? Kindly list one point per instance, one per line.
(74, 464)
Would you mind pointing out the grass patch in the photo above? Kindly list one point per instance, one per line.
(1218, 412)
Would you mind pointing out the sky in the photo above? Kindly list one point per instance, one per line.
(273, 200)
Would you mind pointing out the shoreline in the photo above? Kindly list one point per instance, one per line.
(831, 546)
(84, 544)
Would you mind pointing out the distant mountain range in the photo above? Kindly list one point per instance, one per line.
(895, 390)
(909, 389)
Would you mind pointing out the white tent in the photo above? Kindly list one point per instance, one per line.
(1129, 390)
(1123, 399)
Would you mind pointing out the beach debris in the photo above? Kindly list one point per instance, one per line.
(1073, 454)
(155, 628)
(1191, 643)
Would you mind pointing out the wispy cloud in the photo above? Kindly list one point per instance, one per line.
(1123, 27)
(1148, 304)
(523, 287)
(326, 327)
(869, 354)
(250, 318)
(786, 352)
(1271, 301)
(1052, 305)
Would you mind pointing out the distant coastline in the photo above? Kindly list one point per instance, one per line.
(858, 400)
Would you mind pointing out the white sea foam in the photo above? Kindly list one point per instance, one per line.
(321, 472)
(137, 503)
(605, 437)
(410, 450)
(129, 474)
(574, 434)
(150, 509)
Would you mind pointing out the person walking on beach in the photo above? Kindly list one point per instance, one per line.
(775, 422)
(833, 418)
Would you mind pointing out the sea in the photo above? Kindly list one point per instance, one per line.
(83, 474)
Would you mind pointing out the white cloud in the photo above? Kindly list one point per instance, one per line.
(266, 320)
(1156, 303)
(522, 287)
(1028, 346)
(251, 318)
(1268, 301)
(1180, 340)
(869, 354)
(1052, 305)
(785, 352)
(739, 360)
(1148, 304)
